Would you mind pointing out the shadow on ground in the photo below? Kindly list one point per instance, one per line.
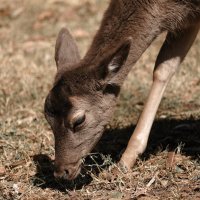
(165, 134)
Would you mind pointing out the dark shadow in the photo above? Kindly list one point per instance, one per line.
(165, 134)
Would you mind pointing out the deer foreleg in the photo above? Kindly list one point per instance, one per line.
(170, 56)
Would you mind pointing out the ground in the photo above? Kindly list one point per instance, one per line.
(170, 167)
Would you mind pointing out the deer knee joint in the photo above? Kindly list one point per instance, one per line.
(164, 71)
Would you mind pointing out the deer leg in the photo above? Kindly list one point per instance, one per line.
(170, 56)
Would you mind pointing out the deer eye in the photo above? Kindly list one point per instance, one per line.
(77, 121)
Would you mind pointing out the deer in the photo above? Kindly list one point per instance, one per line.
(82, 99)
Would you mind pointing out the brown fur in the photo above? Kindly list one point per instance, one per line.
(91, 85)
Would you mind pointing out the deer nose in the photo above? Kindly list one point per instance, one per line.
(67, 172)
(61, 174)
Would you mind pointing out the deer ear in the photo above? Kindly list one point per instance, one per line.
(111, 65)
(66, 50)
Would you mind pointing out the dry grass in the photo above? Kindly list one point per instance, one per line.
(27, 33)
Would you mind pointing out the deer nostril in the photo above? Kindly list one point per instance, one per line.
(66, 172)
(61, 174)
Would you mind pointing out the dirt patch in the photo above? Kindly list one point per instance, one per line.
(170, 167)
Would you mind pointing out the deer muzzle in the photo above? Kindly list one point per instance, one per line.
(69, 171)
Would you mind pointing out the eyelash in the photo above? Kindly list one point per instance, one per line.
(78, 125)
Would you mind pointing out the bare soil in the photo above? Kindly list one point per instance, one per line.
(170, 167)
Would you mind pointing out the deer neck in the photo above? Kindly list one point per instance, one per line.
(120, 22)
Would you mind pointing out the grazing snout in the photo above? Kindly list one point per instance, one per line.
(69, 171)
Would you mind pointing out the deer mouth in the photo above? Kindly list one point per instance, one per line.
(73, 175)
(69, 172)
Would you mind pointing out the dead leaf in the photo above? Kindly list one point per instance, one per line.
(152, 180)
(37, 25)
(80, 33)
(45, 15)
(16, 13)
(116, 195)
(170, 160)
(4, 11)
(2, 170)
(17, 163)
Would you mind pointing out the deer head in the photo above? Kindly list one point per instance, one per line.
(81, 102)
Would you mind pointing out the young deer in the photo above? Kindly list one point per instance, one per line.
(85, 91)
